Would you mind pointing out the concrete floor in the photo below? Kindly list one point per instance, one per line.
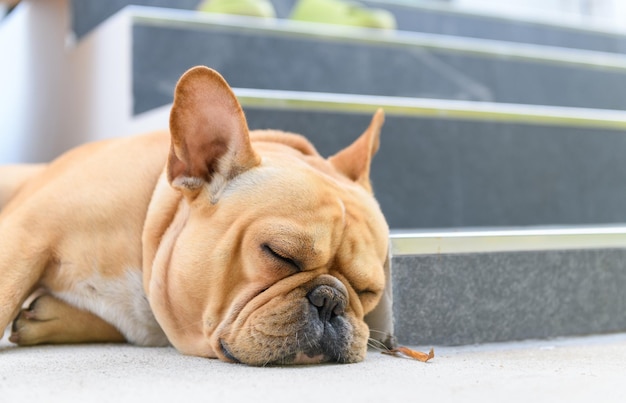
(589, 369)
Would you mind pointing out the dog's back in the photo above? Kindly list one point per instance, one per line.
(12, 177)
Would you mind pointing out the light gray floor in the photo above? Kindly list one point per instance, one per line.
(590, 369)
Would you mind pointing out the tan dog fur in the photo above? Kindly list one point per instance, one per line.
(237, 250)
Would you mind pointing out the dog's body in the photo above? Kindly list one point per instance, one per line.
(90, 206)
(247, 247)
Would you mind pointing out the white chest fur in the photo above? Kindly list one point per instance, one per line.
(120, 301)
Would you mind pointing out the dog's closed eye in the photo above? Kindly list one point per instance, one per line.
(367, 296)
(280, 256)
(367, 293)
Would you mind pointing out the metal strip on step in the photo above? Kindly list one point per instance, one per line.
(428, 242)
(433, 108)
(408, 39)
(430, 108)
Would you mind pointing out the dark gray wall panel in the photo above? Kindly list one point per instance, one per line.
(268, 61)
(88, 14)
(465, 299)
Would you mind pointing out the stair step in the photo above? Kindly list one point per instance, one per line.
(341, 60)
(481, 286)
(449, 19)
(433, 108)
(88, 14)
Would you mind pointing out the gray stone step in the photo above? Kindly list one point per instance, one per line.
(467, 287)
(88, 14)
(444, 18)
(284, 55)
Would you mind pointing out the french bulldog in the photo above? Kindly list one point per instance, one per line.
(241, 245)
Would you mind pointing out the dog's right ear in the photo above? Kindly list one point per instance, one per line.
(210, 141)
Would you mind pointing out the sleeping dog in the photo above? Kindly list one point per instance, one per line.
(241, 245)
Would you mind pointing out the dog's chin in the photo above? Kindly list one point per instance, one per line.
(278, 358)
(256, 358)
(305, 359)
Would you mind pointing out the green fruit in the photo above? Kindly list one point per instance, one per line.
(343, 12)
(251, 8)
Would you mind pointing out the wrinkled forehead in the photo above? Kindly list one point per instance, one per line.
(291, 186)
(283, 176)
(280, 184)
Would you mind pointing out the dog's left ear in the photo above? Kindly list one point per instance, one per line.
(210, 141)
(354, 161)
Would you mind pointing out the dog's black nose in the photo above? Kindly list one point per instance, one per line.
(329, 301)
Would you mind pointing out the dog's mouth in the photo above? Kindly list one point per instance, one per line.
(227, 354)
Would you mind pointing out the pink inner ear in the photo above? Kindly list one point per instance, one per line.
(208, 128)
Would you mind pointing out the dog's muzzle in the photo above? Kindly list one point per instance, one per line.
(316, 330)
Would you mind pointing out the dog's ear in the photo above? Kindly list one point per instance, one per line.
(210, 141)
(354, 161)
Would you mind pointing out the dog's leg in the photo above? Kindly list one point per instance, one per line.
(24, 242)
(48, 320)
(22, 262)
(17, 244)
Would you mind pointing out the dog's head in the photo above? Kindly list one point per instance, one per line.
(256, 249)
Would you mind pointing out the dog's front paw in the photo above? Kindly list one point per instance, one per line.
(33, 324)
(49, 320)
